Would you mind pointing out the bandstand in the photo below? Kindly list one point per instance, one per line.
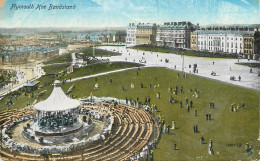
(57, 119)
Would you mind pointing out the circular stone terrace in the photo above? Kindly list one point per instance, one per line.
(57, 119)
(119, 132)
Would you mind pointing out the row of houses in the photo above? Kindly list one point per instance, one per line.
(232, 39)
(15, 57)
(170, 34)
(245, 42)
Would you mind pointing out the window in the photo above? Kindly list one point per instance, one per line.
(227, 38)
(232, 45)
(227, 44)
(222, 45)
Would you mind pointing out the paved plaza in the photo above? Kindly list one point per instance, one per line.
(224, 68)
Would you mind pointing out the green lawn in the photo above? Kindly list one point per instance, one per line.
(185, 52)
(66, 58)
(225, 128)
(55, 69)
(88, 52)
(99, 68)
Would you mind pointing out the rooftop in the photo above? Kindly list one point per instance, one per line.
(57, 101)
(31, 84)
(146, 25)
(227, 32)
(177, 26)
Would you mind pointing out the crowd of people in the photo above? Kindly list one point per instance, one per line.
(234, 107)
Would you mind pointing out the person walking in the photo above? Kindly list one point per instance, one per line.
(188, 108)
(175, 146)
(202, 139)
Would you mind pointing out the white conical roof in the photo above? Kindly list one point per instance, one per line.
(57, 101)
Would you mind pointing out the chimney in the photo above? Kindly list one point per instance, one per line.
(175, 23)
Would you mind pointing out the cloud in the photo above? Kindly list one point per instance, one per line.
(244, 1)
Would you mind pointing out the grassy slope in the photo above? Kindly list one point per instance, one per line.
(91, 69)
(99, 68)
(55, 69)
(66, 58)
(187, 52)
(153, 49)
(226, 127)
(98, 52)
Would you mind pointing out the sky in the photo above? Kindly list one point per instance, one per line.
(119, 13)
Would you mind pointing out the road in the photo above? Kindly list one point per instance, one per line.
(30, 72)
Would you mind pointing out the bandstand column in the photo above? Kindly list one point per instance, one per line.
(73, 117)
(38, 116)
(62, 119)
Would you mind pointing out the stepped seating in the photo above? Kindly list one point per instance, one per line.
(128, 136)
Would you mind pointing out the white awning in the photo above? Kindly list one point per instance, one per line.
(57, 101)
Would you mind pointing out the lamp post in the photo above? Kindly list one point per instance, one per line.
(182, 61)
(93, 51)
